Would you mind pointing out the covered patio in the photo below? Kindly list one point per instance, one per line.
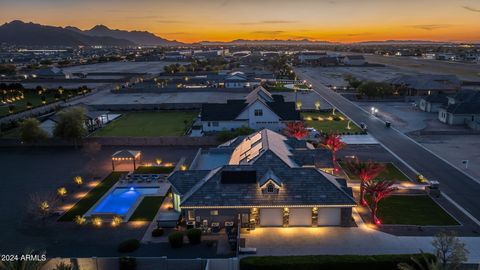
(127, 155)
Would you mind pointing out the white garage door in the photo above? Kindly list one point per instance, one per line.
(328, 216)
(271, 217)
(300, 217)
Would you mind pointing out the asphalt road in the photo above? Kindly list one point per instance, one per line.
(461, 188)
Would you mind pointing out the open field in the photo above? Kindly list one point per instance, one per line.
(149, 124)
(390, 173)
(465, 71)
(325, 125)
(413, 210)
(126, 67)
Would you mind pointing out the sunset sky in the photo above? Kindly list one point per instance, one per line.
(224, 20)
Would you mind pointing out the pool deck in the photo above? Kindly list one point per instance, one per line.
(162, 186)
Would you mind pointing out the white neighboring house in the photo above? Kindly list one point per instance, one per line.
(258, 110)
(354, 60)
(236, 79)
(462, 109)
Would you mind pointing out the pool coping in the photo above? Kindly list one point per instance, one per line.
(125, 217)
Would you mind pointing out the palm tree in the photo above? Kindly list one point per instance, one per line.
(334, 143)
(366, 172)
(296, 130)
(378, 190)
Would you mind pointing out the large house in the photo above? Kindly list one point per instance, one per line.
(258, 110)
(433, 103)
(263, 179)
(462, 109)
(427, 84)
(354, 60)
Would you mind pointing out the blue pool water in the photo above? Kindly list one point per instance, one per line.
(120, 200)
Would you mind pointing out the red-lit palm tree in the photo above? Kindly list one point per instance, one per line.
(334, 143)
(378, 190)
(366, 172)
(296, 130)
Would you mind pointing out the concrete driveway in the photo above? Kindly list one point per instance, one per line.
(360, 240)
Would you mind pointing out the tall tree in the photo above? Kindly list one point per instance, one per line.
(30, 131)
(296, 130)
(71, 124)
(449, 250)
(378, 190)
(366, 172)
(333, 142)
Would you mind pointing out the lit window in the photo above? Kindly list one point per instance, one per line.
(214, 213)
(270, 188)
(191, 215)
(258, 112)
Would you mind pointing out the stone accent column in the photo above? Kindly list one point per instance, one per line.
(254, 217)
(286, 217)
(346, 217)
(314, 216)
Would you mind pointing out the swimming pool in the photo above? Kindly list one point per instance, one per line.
(121, 199)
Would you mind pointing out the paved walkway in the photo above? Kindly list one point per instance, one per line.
(360, 240)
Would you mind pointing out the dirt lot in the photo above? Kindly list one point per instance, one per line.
(131, 67)
(465, 71)
(456, 148)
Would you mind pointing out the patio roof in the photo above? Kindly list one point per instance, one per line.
(126, 154)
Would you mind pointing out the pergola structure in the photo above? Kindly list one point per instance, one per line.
(126, 155)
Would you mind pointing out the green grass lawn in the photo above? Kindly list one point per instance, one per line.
(148, 124)
(154, 169)
(147, 209)
(391, 173)
(82, 206)
(329, 126)
(413, 210)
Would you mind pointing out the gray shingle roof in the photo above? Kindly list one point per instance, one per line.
(300, 186)
(183, 181)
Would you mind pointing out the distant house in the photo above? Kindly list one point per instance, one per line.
(310, 56)
(49, 73)
(236, 80)
(93, 120)
(433, 103)
(462, 109)
(262, 180)
(258, 110)
(426, 84)
(174, 56)
(354, 60)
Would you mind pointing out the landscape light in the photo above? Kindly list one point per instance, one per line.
(158, 161)
(116, 221)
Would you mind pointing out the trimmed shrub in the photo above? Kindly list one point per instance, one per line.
(337, 262)
(157, 232)
(129, 245)
(127, 263)
(175, 239)
(194, 236)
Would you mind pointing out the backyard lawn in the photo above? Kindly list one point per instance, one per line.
(325, 122)
(413, 210)
(147, 209)
(154, 169)
(391, 173)
(149, 124)
(81, 207)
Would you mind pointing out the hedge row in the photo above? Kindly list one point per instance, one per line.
(328, 262)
